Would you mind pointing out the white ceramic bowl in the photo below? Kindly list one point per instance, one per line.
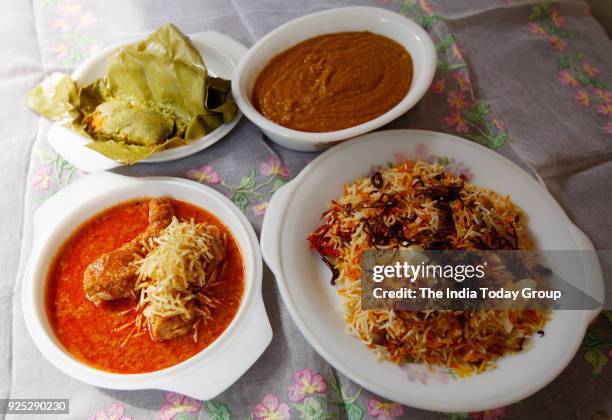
(380, 21)
(206, 374)
(220, 54)
(315, 306)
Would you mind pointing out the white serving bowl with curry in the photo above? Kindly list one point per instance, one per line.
(333, 75)
(88, 312)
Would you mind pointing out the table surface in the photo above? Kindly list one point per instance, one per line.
(530, 80)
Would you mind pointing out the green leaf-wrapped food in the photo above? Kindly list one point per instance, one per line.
(55, 98)
(156, 95)
(129, 122)
(165, 69)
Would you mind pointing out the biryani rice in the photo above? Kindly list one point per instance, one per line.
(418, 203)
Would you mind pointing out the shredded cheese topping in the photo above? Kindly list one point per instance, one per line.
(178, 265)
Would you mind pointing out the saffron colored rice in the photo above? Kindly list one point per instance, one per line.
(421, 204)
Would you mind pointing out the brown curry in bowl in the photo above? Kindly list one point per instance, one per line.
(116, 300)
(333, 81)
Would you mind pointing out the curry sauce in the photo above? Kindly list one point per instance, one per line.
(333, 81)
(94, 335)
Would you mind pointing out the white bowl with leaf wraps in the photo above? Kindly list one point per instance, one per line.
(162, 98)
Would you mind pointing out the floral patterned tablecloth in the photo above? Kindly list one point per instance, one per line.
(530, 80)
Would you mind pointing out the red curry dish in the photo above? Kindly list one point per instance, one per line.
(107, 311)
